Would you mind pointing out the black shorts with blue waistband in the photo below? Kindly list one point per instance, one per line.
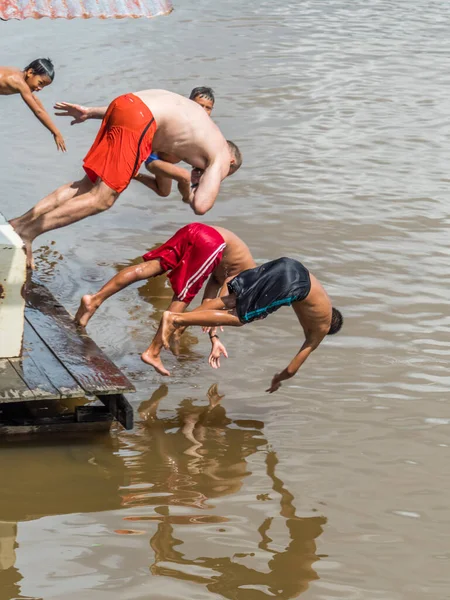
(264, 289)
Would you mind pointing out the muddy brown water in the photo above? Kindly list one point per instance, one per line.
(338, 485)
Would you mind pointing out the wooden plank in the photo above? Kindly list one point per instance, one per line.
(120, 409)
(51, 369)
(27, 370)
(12, 386)
(91, 414)
(81, 356)
(18, 418)
(62, 427)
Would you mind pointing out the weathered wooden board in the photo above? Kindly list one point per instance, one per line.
(120, 408)
(12, 386)
(19, 419)
(51, 369)
(81, 356)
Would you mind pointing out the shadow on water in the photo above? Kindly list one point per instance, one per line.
(163, 474)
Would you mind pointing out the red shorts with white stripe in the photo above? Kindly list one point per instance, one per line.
(191, 255)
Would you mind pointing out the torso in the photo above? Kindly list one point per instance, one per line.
(184, 130)
(8, 75)
(236, 257)
(314, 312)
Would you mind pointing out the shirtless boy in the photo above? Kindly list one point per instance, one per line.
(162, 167)
(133, 126)
(195, 252)
(36, 76)
(258, 292)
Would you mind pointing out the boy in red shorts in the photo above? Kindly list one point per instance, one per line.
(193, 254)
(133, 126)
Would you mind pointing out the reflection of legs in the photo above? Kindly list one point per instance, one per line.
(63, 208)
(152, 355)
(220, 312)
(127, 276)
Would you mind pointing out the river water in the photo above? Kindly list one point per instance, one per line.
(338, 485)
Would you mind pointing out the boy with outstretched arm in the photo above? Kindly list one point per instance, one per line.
(193, 254)
(258, 292)
(36, 76)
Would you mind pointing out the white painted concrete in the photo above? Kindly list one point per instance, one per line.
(12, 278)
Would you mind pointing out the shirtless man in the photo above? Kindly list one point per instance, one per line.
(133, 126)
(256, 293)
(27, 82)
(195, 252)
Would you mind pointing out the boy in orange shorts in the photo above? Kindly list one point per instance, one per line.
(133, 125)
(193, 254)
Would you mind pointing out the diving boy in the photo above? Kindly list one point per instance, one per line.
(194, 253)
(36, 76)
(258, 292)
(162, 166)
(133, 126)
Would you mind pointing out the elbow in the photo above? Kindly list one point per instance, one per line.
(200, 210)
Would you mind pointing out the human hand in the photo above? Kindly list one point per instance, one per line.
(59, 141)
(211, 330)
(78, 112)
(217, 349)
(276, 383)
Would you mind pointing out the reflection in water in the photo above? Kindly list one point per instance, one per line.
(167, 474)
(215, 466)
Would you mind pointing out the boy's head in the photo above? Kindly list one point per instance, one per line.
(203, 96)
(235, 163)
(236, 157)
(336, 321)
(39, 74)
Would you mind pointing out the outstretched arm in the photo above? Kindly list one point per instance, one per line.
(78, 112)
(39, 111)
(311, 342)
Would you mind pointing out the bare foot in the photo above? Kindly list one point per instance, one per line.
(175, 340)
(155, 361)
(26, 245)
(85, 311)
(168, 327)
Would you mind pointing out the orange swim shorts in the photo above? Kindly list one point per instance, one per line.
(122, 144)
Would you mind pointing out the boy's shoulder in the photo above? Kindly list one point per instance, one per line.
(11, 78)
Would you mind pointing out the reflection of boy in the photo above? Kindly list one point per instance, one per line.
(193, 254)
(35, 77)
(162, 166)
(258, 292)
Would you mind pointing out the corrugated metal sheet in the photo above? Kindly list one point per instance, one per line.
(72, 9)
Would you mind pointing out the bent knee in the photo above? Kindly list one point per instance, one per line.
(105, 201)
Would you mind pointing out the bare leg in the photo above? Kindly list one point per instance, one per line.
(151, 356)
(99, 198)
(66, 192)
(206, 318)
(127, 276)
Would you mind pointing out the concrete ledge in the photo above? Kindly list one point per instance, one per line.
(13, 272)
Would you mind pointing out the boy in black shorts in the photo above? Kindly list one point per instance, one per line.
(254, 294)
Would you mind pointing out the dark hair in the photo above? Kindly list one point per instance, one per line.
(236, 153)
(203, 92)
(42, 66)
(336, 321)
